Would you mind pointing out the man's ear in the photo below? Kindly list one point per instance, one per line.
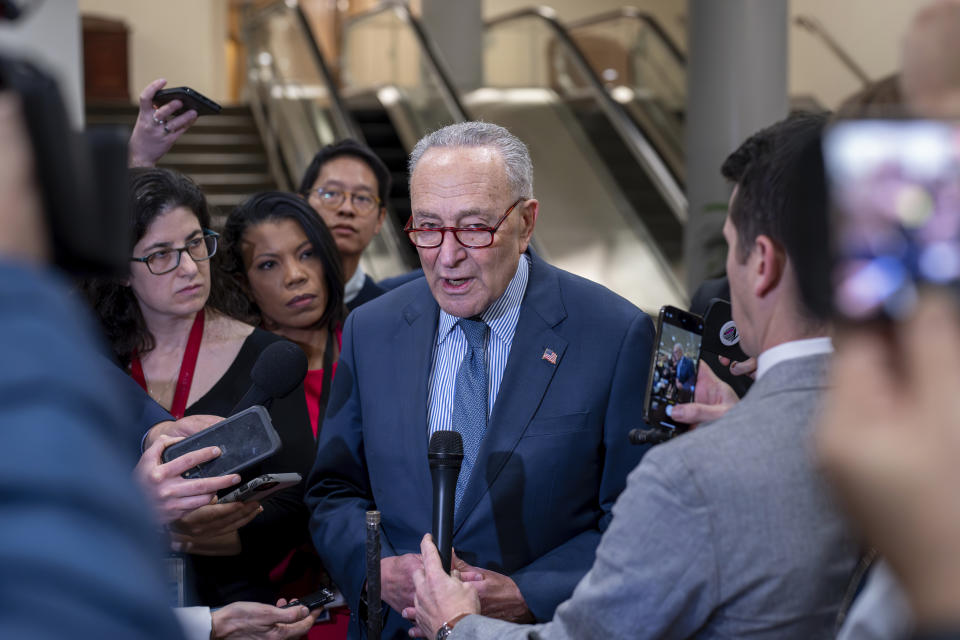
(528, 219)
(769, 263)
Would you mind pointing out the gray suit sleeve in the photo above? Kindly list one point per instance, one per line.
(655, 574)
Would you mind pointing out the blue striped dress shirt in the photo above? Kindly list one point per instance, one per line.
(451, 346)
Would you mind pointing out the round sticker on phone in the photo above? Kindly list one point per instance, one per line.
(729, 335)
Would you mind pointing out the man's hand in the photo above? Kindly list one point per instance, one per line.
(889, 440)
(215, 520)
(172, 495)
(439, 597)
(747, 367)
(156, 130)
(712, 398)
(182, 428)
(500, 596)
(257, 621)
(396, 580)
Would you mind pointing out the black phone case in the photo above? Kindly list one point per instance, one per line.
(721, 336)
(191, 99)
(244, 440)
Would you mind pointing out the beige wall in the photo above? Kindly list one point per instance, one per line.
(50, 38)
(183, 41)
(870, 30)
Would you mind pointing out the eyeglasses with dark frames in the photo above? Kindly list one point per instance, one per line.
(469, 237)
(166, 260)
(334, 198)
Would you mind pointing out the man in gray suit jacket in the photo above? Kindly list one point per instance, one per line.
(727, 532)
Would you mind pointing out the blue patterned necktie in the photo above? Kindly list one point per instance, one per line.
(470, 399)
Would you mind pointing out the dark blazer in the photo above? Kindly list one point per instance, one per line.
(553, 462)
(368, 292)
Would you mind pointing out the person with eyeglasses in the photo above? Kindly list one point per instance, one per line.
(539, 370)
(348, 185)
(169, 326)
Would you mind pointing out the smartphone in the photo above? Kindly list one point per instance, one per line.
(244, 440)
(313, 601)
(262, 487)
(190, 99)
(673, 366)
(721, 337)
(895, 209)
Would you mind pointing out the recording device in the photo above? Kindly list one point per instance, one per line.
(445, 456)
(373, 602)
(673, 367)
(313, 601)
(244, 439)
(895, 201)
(279, 369)
(189, 98)
(721, 337)
(82, 177)
(262, 487)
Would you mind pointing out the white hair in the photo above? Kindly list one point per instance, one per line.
(516, 157)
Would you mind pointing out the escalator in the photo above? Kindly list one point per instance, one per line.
(613, 207)
(299, 109)
(395, 92)
(615, 222)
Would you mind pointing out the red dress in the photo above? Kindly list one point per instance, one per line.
(339, 622)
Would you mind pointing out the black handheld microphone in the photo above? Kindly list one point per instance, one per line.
(445, 456)
(278, 370)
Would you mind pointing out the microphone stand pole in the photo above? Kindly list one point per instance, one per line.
(374, 620)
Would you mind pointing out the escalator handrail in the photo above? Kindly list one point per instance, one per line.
(816, 27)
(632, 13)
(636, 141)
(427, 46)
(344, 122)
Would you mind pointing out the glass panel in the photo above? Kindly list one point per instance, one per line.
(287, 82)
(382, 55)
(643, 70)
(602, 215)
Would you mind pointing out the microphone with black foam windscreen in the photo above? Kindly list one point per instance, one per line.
(445, 456)
(278, 370)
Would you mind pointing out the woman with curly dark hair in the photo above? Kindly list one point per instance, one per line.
(284, 257)
(168, 327)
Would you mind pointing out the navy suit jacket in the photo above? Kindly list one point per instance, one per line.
(79, 552)
(554, 459)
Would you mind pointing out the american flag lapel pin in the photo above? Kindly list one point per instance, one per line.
(550, 356)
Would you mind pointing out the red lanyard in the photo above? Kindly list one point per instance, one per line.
(187, 366)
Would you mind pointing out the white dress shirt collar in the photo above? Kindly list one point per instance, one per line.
(351, 289)
(790, 350)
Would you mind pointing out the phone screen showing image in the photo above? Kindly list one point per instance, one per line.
(673, 374)
(895, 194)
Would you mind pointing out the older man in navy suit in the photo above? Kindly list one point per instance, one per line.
(542, 372)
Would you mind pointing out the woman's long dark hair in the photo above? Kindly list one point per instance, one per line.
(273, 206)
(152, 192)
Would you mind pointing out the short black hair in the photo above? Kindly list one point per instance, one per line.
(354, 149)
(782, 194)
(278, 205)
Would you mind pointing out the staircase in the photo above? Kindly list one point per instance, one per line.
(223, 154)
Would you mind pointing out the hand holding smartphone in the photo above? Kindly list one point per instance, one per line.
(895, 199)
(673, 366)
(244, 439)
(189, 98)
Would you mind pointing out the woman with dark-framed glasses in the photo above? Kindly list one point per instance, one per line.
(168, 325)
